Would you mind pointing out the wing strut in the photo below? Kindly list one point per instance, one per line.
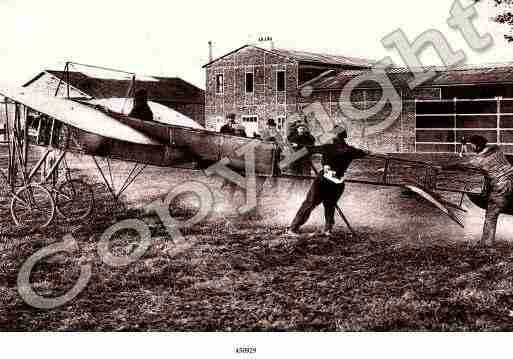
(136, 170)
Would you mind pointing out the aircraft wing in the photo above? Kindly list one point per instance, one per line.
(393, 171)
(75, 114)
(161, 113)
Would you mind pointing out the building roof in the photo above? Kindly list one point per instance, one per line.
(318, 58)
(305, 57)
(400, 77)
(340, 79)
(488, 74)
(169, 89)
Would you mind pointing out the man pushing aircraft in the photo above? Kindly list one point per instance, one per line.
(498, 172)
(328, 186)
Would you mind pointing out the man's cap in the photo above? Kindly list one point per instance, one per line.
(478, 140)
(340, 131)
(271, 123)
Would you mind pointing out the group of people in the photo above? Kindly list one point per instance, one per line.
(232, 127)
(298, 137)
(328, 186)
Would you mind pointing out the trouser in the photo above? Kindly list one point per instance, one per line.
(321, 191)
(501, 197)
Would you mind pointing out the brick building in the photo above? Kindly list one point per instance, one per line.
(172, 92)
(258, 83)
(434, 116)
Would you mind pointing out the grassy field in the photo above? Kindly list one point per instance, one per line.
(408, 269)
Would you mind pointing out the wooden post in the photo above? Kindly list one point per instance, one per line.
(46, 167)
(455, 110)
(415, 133)
(40, 120)
(364, 124)
(9, 149)
(50, 143)
(25, 138)
(66, 71)
(498, 120)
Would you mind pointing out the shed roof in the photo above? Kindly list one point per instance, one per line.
(172, 89)
(476, 75)
(400, 76)
(342, 78)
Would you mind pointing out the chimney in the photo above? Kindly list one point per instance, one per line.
(210, 52)
(266, 42)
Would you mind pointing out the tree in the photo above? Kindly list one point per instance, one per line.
(505, 16)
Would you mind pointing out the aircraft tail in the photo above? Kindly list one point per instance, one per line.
(434, 199)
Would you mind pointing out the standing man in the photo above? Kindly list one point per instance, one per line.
(141, 109)
(231, 127)
(240, 130)
(328, 186)
(270, 132)
(228, 128)
(498, 172)
(298, 138)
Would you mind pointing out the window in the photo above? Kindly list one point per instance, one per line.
(250, 124)
(249, 82)
(219, 83)
(280, 81)
(249, 119)
(280, 124)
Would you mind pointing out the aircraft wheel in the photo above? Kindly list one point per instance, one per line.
(74, 199)
(33, 207)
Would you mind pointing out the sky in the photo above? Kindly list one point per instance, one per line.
(165, 38)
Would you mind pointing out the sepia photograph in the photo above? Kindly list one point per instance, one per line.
(250, 178)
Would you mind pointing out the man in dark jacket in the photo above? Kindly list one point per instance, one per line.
(270, 132)
(229, 127)
(328, 186)
(141, 110)
(298, 138)
(491, 161)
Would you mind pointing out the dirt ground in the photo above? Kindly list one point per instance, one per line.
(409, 268)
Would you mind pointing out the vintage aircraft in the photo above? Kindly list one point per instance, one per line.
(60, 125)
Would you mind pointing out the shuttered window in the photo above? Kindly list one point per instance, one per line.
(249, 82)
(280, 81)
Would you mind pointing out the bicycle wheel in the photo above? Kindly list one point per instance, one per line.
(74, 199)
(32, 206)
